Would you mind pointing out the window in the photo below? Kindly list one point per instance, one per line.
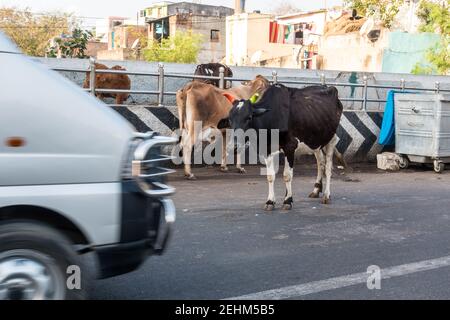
(215, 35)
(143, 13)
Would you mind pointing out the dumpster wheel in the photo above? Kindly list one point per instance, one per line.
(439, 166)
(404, 162)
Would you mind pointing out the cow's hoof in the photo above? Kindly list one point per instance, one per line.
(269, 206)
(313, 195)
(241, 170)
(224, 169)
(326, 200)
(190, 176)
(287, 204)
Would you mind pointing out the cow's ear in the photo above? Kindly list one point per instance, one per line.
(259, 111)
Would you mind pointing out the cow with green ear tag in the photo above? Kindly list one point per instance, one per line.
(309, 115)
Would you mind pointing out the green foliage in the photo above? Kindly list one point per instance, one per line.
(385, 10)
(435, 17)
(73, 46)
(438, 58)
(183, 47)
(32, 32)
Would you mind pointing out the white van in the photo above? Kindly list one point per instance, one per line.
(74, 178)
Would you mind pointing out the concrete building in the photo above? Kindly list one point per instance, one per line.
(283, 41)
(166, 18)
(103, 27)
(120, 35)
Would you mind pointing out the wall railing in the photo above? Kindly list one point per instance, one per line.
(161, 92)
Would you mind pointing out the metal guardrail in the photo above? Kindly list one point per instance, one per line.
(160, 92)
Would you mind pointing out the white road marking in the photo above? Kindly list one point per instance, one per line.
(344, 281)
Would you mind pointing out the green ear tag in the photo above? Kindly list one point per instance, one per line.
(254, 98)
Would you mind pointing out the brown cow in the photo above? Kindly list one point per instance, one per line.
(109, 81)
(203, 102)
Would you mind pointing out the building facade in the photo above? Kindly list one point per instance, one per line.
(165, 19)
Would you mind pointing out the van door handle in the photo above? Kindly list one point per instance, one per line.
(415, 110)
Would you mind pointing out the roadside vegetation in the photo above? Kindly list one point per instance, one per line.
(32, 32)
(183, 47)
(435, 18)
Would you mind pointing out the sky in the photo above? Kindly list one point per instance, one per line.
(129, 8)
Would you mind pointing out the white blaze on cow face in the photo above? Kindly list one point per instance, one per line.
(240, 115)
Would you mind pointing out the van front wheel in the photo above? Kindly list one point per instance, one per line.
(38, 263)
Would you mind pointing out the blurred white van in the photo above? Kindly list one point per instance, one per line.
(74, 178)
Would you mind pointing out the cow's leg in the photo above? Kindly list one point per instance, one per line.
(329, 151)
(270, 166)
(223, 165)
(320, 171)
(239, 160)
(187, 143)
(287, 176)
(119, 99)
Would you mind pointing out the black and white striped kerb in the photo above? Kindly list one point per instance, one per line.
(358, 131)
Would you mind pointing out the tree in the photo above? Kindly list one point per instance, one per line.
(73, 46)
(435, 18)
(183, 47)
(32, 32)
(384, 10)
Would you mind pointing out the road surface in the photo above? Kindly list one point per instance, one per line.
(226, 246)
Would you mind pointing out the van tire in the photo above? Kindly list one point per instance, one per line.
(36, 241)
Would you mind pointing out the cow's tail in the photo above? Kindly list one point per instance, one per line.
(340, 158)
(181, 106)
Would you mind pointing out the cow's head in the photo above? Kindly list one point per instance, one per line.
(269, 111)
(243, 115)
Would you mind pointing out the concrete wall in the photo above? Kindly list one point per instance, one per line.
(173, 84)
(357, 134)
(247, 34)
(404, 50)
(94, 47)
(115, 54)
(350, 52)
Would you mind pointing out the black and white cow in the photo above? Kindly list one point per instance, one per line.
(310, 115)
(212, 70)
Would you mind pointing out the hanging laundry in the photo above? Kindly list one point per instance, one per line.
(273, 34)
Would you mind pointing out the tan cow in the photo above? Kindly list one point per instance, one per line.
(109, 81)
(203, 102)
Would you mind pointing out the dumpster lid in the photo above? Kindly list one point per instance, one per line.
(6, 45)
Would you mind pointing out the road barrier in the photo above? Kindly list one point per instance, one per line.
(357, 133)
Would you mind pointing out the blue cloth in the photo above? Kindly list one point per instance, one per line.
(387, 132)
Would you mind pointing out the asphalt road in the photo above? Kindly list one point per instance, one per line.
(225, 245)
